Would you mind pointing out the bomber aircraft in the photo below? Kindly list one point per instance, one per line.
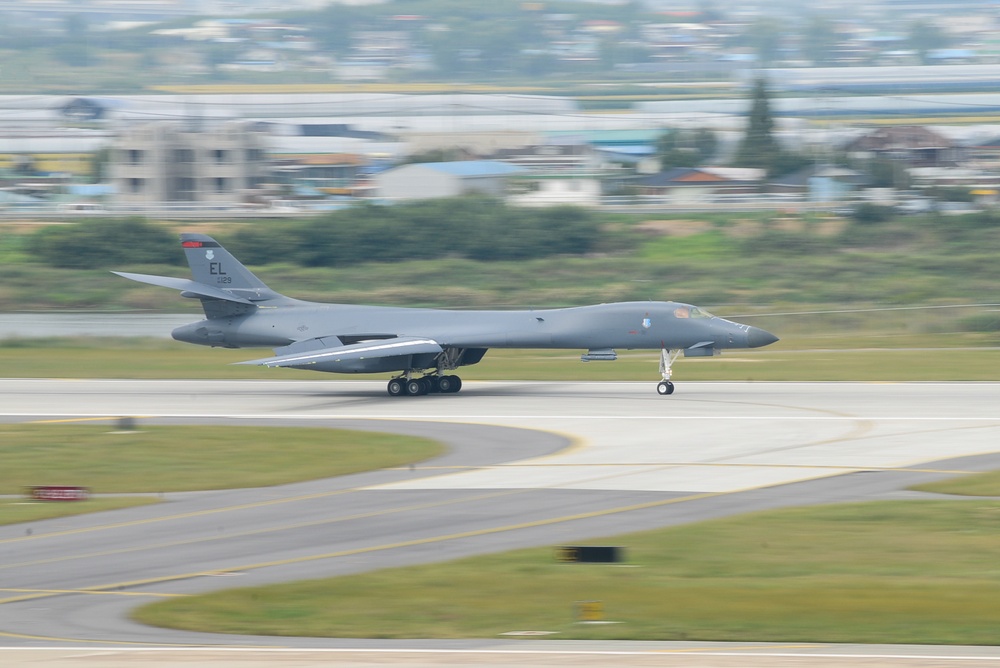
(424, 346)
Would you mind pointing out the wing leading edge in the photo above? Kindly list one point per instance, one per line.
(364, 357)
(185, 285)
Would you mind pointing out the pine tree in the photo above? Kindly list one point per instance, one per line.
(759, 148)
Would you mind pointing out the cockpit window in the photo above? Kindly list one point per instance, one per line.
(691, 312)
(700, 313)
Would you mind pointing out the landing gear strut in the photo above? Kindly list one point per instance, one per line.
(667, 358)
(437, 380)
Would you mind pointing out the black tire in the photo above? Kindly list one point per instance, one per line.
(396, 387)
(665, 388)
(416, 387)
(449, 384)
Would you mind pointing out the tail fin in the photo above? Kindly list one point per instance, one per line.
(224, 286)
(213, 265)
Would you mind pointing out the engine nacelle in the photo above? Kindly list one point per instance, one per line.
(704, 351)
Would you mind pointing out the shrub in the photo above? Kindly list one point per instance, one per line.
(472, 227)
(104, 243)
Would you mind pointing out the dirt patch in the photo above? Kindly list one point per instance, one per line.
(743, 228)
(831, 226)
(674, 228)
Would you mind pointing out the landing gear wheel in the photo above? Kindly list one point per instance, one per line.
(416, 387)
(396, 387)
(449, 384)
(664, 388)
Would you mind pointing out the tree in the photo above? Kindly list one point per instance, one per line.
(75, 48)
(887, 173)
(449, 154)
(84, 245)
(708, 12)
(99, 164)
(758, 148)
(477, 227)
(820, 38)
(925, 37)
(686, 148)
(336, 24)
(765, 35)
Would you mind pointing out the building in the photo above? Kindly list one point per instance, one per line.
(689, 185)
(819, 183)
(171, 162)
(913, 145)
(560, 173)
(322, 174)
(985, 154)
(445, 179)
(554, 190)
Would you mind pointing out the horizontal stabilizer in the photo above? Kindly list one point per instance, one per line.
(397, 347)
(184, 285)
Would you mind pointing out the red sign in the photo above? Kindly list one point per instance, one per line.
(59, 493)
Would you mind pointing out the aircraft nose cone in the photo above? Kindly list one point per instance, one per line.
(757, 337)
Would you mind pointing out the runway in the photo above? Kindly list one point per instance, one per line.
(530, 464)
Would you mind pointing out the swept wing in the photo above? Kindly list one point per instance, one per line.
(353, 358)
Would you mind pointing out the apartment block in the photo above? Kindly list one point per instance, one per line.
(177, 162)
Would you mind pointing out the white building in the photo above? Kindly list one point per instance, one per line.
(576, 190)
(428, 180)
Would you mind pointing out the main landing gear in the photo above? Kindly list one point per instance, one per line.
(415, 387)
(665, 386)
(437, 380)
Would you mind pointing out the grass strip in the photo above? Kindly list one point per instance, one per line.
(884, 572)
(928, 358)
(170, 459)
(978, 484)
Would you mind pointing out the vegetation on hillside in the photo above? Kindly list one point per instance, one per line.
(477, 252)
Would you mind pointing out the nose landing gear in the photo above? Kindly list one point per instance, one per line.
(667, 357)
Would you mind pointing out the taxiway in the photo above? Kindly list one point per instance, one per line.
(530, 464)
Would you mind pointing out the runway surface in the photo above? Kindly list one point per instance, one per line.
(530, 464)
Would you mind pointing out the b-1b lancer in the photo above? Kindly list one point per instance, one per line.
(425, 346)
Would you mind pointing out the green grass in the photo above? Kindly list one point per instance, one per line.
(706, 247)
(775, 365)
(169, 459)
(739, 259)
(979, 484)
(888, 572)
(810, 356)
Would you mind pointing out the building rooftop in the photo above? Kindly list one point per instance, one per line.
(473, 167)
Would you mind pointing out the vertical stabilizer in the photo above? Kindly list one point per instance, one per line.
(213, 265)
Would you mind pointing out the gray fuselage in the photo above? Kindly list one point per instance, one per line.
(626, 325)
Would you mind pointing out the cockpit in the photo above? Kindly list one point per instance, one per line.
(692, 312)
